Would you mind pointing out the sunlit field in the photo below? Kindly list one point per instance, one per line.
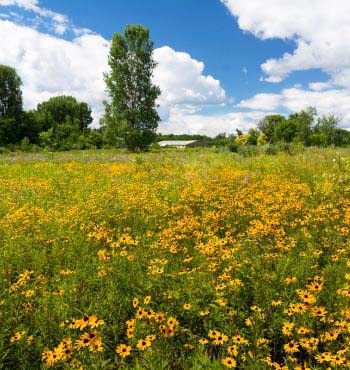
(175, 260)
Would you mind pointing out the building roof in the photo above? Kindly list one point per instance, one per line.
(176, 142)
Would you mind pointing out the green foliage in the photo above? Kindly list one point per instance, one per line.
(31, 126)
(284, 131)
(262, 140)
(253, 137)
(129, 85)
(47, 139)
(233, 147)
(10, 93)
(63, 109)
(300, 128)
(303, 123)
(268, 124)
(4, 150)
(248, 150)
(9, 131)
(10, 105)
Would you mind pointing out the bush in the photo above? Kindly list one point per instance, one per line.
(4, 150)
(285, 148)
(270, 149)
(233, 147)
(155, 147)
(248, 150)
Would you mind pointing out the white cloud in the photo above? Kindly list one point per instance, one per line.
(49, 66)
(319, 86)
(26, 4)
(59, 21)
(261, 102)
(182, 82)
(180, 122)
(320, 29)
(52, 66)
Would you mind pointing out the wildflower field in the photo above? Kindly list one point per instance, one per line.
(175, 260)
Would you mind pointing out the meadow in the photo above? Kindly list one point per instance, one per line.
(188, 259)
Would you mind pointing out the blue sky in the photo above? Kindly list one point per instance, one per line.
(208, 33)
(222, 64)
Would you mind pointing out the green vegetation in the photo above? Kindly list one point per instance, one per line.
(175, 260)
(131, 113)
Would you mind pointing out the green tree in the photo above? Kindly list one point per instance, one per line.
(325, 129)
(267, 125)
(253, 137)
(129, 84)
(62, 109)
(11, 105)
(341, 137)
(31, 126)
(303, 122)
(284, 131)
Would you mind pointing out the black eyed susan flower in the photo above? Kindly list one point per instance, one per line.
(123, 350)
(229, 362)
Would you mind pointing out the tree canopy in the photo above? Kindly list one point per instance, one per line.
(132, 107)
(65, 109)
(11, 104)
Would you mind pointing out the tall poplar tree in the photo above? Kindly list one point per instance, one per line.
(132, 113)
(11, 105)
(10, 93)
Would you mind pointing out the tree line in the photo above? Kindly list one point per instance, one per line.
(60, 123)
(305, 127)
(131, 119)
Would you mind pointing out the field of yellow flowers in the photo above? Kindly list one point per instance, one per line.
(175, 260)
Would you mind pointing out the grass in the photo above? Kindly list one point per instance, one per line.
(182, 259)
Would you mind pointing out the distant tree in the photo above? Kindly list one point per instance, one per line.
(31, 126)
(267, 125)
(129, 84)
(62, 110)
(303, 122)
(284, 131)
(341, 137)
(261, 140)
(253, 137)
(11, 105)
(325, 130)
(220, 136)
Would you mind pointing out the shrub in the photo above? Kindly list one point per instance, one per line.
(248, 150)
(4, 150)
(233, 147)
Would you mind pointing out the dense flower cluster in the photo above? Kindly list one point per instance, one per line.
(178, 260)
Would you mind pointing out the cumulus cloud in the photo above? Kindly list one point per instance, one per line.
(333, 101)
(181, 122)
(183, 83)
(320, 29)
(59, 21)
(319, 86)
(50, 65)
(261, 102)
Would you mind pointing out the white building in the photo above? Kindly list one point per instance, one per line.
(180, 143)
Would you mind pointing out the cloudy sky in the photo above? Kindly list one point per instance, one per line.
(222, 65)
